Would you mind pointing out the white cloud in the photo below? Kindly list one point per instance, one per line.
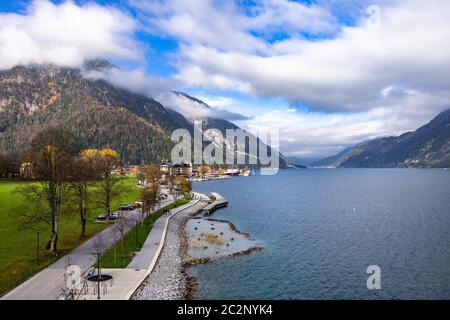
(227, 26)
(134, 80)
(198, 21)
(216, 101)
(315, 134)
(373, 82)
(269, 16)
(66, 34)
(194, 110)
(352, 71)
(349, 72)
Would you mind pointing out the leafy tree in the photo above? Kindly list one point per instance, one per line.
(9, 167)
(185, 185)
(203, 170)
(110, 187)
(152, 173)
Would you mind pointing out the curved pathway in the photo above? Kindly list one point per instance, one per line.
(48, 283)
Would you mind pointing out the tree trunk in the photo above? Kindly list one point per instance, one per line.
(54, 237)
(83, 218)
(83, 223)
(83, 209)
(108, 207)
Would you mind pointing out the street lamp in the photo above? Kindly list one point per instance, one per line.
(99, 276)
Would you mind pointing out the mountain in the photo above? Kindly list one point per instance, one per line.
(333, 161)
(98, 113)
(303, 161)
(195, 109)
(426, 147)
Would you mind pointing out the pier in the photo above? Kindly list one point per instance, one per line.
(217, 202)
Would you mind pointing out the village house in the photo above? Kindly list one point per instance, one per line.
(176, 169)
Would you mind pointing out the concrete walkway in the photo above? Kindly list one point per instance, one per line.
(143, 258)
(218, 202)
(128, 280)
(48, 283)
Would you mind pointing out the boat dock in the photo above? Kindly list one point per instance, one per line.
(217, 202)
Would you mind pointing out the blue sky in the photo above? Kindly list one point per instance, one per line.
(325, 73)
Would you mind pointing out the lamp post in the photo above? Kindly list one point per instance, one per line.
(137, 226)
(37, 248)
(99, 276)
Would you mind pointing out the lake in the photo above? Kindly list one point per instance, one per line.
(322, 228)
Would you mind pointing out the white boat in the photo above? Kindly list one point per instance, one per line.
(232, 172)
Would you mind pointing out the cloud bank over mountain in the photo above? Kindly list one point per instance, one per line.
(194, 110)
(381, 74)
(340, 73)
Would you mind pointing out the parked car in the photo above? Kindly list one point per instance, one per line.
(164, 196)
(127, 208)
(112, 216)
(138, 204)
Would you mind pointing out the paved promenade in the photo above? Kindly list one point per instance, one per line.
(128, 280)
(48, 283)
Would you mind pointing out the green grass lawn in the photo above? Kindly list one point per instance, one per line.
(18, 247)
(134, 239)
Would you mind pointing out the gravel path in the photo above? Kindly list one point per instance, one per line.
(167, 281)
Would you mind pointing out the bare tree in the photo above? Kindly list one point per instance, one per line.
(172, 184)
(141, 172)
(51, 157)
(110, 184)
(99, 248)
(152, 173)
(82, 177)
(150, 197)
(120, 228)
(110, 187)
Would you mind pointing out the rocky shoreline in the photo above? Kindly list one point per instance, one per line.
(170, 279)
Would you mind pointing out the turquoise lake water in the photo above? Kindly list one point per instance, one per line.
(322, 228)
